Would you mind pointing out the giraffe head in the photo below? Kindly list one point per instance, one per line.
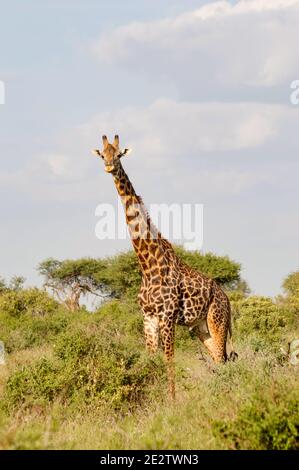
(111, 154)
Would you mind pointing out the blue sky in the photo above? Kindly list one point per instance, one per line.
(200, 90)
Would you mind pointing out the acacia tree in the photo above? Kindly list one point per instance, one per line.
(3, 286)
(122, 274)
(119, 276)
(291, 284)
(15, 284)
(220, 268)
(70, 280)
(291, 287)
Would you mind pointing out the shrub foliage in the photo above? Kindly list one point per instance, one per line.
(89, 372)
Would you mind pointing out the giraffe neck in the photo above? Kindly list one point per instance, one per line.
(152, 249)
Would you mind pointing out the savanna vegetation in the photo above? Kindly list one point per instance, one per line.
(79, 379)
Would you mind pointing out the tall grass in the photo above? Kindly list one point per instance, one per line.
(84, 381)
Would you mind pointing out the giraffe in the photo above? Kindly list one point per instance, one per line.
(171, 292)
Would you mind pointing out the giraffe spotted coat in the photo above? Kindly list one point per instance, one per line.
(171, 292)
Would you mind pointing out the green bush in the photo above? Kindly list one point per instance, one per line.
(86, 380)
(265, 422)
(98, 359)
(33, 383)
(32, 301)
(28, 331)
(86, 372)
(121, 317)
(260, 317)
(74, 345)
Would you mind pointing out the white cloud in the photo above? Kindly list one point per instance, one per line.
(168, 129)
(167, 135)
(59, 165)
(251, 43)
(226, 182)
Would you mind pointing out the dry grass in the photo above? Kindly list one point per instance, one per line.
(207, 399)
(80, 396)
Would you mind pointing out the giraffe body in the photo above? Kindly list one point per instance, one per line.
(185, 297)
(171, 292)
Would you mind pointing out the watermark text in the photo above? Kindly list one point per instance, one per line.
(2, 92)
(294, 96)
(181, 223)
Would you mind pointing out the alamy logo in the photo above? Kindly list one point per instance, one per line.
(2, 92)
(181, 223)
(294, 96)
(2, 353)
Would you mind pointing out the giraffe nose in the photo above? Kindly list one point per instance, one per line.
(109, 168)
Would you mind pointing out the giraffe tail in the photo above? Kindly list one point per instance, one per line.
(232, 355)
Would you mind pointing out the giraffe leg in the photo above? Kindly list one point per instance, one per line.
(206, 339)
(151, 333)
(217, 321)
(215, 338)
(167, 337)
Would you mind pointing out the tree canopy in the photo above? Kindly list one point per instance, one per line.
(291, 284)
(119, 276)
(69, 280)
(221, 268)
(122, 274)
(15, 284)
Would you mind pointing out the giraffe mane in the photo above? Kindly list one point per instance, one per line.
(165, 242)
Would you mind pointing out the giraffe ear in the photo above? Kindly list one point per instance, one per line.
(97, 152)
(125, 152)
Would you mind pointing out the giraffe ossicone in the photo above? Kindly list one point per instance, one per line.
(171, 292)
